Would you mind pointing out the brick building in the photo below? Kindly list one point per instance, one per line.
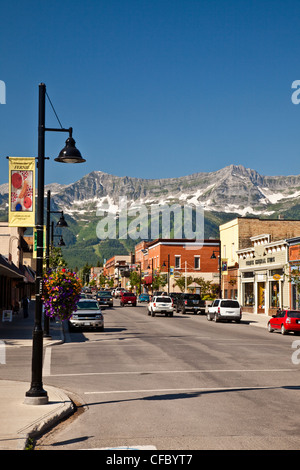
(115, 267)
(178, 257)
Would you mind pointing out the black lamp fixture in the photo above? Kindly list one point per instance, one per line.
(36, 395)
(61, 242)
(70, 154)
(62, 221)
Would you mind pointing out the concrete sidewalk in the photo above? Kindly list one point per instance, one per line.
(19, 421)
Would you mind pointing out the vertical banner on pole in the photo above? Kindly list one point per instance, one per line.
(34, 251)
(21, 211)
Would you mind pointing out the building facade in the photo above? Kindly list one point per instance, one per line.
(263, 269)
(178, 258)
(238, 235)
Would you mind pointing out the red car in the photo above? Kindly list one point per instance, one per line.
(285, 321)
(127, 298)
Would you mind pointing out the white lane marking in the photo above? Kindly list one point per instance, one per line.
(198, 389)
(47, 362)
(194, 371)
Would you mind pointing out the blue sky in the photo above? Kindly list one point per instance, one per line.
(153, 88)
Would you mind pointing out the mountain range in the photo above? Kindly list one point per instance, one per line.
(224, 194)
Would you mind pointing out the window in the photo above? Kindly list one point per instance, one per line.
(274, 294)
(177, 262)
(248, 295)
(197, 262)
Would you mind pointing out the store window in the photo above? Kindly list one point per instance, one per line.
(274, 294)
(248, 300)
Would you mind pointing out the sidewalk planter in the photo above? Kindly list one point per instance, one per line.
(61, 292)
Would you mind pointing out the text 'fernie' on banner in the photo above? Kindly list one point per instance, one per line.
(21, 211)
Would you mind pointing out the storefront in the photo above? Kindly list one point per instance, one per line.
(294, 272)
(263, 276)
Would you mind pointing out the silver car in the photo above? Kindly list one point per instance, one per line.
(88, 315)
(225, 309)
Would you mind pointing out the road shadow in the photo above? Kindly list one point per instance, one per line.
(189, 395)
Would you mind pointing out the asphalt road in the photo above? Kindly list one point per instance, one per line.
(175, 383)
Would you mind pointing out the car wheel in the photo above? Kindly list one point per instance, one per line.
(283, 330)
(208, 317)
(152, 313)
(270, 329)
(215, 317)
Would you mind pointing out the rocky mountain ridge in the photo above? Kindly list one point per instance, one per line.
(233, 189)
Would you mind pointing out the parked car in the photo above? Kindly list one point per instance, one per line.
(127, 298)
(87, 315)
(190, 303)
(285, 321)
(105, 299)
(161, 304)
(118, 291)
(225, 309)
(144, 298)
(175, 296)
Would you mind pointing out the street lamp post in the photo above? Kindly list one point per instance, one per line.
(164, 265)
(36, 395)
(60, 223)
(213, 256)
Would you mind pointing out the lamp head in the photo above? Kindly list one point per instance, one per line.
(61, 242)
(62, 222)
(70, 154)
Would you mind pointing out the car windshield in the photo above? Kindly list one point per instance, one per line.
(104, 294)
(163, 299)
(87, 306)
(127, 294)
(230, 304)
(192, 296)
(293, 314)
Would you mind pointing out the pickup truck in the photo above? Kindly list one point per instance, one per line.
(161, 304)
(190, 303)
(225, 309)
(127, 298)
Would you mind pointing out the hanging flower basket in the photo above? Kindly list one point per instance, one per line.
(61, 292)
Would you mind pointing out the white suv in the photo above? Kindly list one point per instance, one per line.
(225, 309)
(161, 304)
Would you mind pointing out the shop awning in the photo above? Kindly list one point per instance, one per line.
(10, 269)
(148, 280)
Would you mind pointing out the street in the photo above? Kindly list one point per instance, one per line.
(173, 383)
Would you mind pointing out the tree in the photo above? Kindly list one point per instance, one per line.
(135, 280)
(183, 281)
(56, 259)
(159, 280)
